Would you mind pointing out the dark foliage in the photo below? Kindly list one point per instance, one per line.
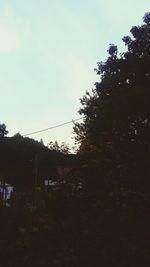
(18, 161)
(116, 127)
(3, 130)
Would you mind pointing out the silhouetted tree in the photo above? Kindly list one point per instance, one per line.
(3, 130)
(113, 181)
(63, 147)
(116, 125)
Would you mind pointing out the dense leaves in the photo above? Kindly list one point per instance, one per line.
(114, 141)
(116, 126)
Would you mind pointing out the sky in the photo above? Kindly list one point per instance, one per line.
(48, 52)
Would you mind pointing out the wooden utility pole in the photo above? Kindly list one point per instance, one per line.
(36, 171)
(36, 180)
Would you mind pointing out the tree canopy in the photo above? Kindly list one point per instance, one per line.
(116, 125)
(62, 148)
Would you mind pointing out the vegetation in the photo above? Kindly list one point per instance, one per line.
(116, 127)
(63, 147)
(24, 155)
(3, 130)
(99, 213)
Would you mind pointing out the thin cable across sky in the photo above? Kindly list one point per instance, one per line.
(52, 127)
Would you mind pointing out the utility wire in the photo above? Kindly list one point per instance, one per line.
(53, 127)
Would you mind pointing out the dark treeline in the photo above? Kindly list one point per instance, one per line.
(20, 155)
(98, 215)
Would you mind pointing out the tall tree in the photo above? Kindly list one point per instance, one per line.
(116, 126)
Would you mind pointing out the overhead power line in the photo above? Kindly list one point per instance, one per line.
(53, 127)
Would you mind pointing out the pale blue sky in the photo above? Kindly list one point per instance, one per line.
(48, 50)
